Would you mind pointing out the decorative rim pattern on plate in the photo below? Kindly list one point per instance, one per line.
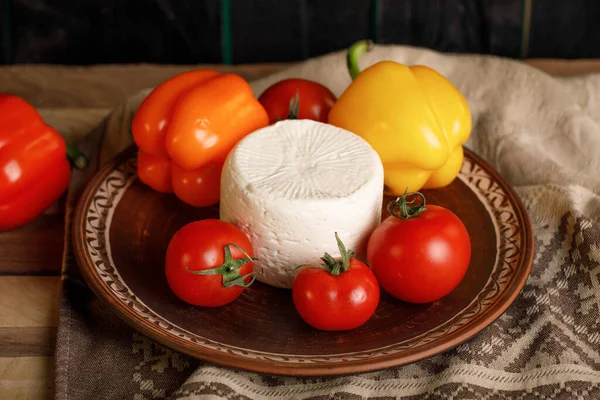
(94, 216)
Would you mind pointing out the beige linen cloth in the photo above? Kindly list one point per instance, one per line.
(543, 135)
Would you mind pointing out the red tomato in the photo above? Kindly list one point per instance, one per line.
(341, 295)
(422, 258)
(297, 99)
(204, 263)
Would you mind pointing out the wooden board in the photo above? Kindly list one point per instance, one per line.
(35, 249)
(28, 301)
(26, 378)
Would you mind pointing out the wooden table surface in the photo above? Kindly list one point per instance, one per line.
(76, 99)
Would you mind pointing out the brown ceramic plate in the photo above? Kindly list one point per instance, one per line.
(122, 229)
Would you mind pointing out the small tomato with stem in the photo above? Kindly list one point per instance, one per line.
(209, 263)
(336, 295)
(420, 253)
(297, 99)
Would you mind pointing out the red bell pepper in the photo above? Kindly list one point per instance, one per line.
(34, 168)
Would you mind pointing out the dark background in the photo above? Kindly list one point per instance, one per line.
(249, 31)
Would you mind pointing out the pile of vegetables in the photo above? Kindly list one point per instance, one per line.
(419, 254)
(413, 117)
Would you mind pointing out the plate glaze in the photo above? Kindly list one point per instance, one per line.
(122, 228)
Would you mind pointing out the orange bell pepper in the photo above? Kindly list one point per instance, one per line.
(185, 129)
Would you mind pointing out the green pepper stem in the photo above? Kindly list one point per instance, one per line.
(77, 158)
(354, 52)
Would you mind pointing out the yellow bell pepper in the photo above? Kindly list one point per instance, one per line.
(413, 117)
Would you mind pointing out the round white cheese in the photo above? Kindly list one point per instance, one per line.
(292, 185)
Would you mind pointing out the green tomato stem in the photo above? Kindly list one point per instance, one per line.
(294, 111)
(402, 208)
(229, 270)
(330, 264)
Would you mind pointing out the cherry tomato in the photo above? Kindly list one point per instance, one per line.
(297, 99)
(420, 253)
(209, 263)
(339, 295)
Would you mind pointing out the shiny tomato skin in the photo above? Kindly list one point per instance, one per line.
(422, 259)
(199, 246)
(336, 303)
(315, 100)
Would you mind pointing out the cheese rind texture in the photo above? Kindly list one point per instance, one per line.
(292, 185)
